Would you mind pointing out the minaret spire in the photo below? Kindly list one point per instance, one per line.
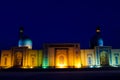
(21, 32)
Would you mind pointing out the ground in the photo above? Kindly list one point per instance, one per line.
(61, 75)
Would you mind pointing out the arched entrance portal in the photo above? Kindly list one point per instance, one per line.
(18, 59)
(61, 59)
(104, 61)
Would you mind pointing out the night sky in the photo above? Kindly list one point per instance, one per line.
(59, 21)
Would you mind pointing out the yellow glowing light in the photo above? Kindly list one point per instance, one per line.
(97, 30)
(31, 67)
(24, 67)
(7, 67)
(61, 65)
(78, 66)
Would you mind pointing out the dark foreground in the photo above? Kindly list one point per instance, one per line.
(63, 74)
(83, 75)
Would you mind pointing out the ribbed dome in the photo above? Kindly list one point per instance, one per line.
(24, 41)
(27, 42)
(100, 42)
(20, 43)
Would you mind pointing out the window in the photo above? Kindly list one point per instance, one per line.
(89, 61)
(116, 60)
(32, 61)
(5, 61)
(89, 56)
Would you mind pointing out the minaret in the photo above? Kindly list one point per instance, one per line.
(96, 39)
(21, 31)
(20, 42)
(24, 41)
(99, 37)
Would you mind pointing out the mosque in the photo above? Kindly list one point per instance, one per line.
(61, 55)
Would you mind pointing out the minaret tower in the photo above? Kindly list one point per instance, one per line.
(99, 37)
(20, 42)
(24, 41)
(21, 31)
(96, 39)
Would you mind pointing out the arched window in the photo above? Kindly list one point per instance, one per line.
(89, 60)
(5, 61)
(61, 60)
(33, 61)
(116, 60)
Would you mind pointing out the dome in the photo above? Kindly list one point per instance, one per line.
(20, 43)
(27, 42)
(96, 40)
(23, 40)
(100, 42)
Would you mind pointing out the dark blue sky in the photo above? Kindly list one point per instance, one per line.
(59, 21)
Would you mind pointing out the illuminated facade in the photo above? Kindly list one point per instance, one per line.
(66, 55)
(61, 55)
(21, 57)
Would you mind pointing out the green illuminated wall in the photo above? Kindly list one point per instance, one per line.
(45, 59)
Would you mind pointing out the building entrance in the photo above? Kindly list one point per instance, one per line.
(18, 59)
(104, 61)
(61, 58)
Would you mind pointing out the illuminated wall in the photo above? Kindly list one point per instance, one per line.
(87, 57)
(21, 57)
(115, 57)
(32, 60)
(6, 58)
(64, 55)
(40, 58)
(45, 59)
(60, 56)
